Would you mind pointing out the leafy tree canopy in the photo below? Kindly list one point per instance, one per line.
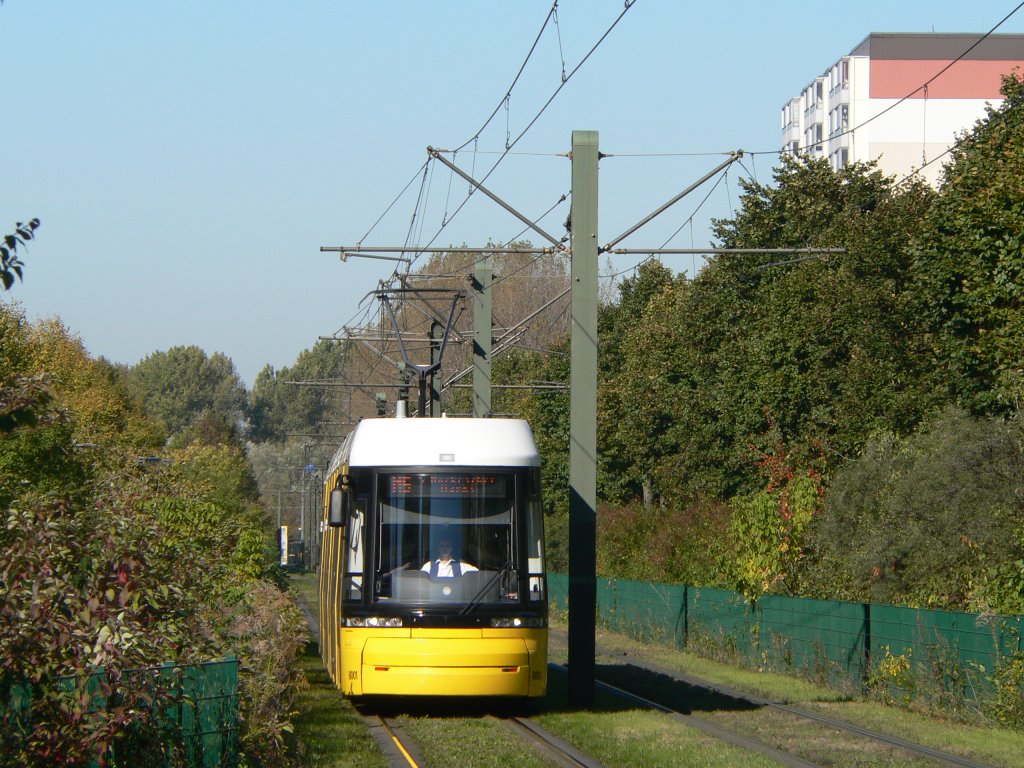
(178, 385)
(279, 404)
(765, 350)
(969, 261)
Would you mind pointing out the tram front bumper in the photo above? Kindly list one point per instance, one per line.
(447, 666)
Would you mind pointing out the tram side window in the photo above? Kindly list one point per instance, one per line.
(354, 547)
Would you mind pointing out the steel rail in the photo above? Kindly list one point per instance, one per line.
(393, 742)
(943, 757)
(705, 725)
(560, 752)
(946, 758)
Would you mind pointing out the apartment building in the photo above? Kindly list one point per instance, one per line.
(870, 104)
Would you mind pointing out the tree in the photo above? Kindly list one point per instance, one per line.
(969, 263)
(624, 453)
(177, 386)
(113, 565)
(818, 353)
(279, 404)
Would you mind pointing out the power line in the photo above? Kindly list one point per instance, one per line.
(397, 198)
(671, 237)
(477, 134)
(627, 5)
(553, 11)
(951, 148)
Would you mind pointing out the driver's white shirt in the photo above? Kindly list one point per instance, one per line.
(445, 568)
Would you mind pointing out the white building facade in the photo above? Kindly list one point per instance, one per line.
(870, 105)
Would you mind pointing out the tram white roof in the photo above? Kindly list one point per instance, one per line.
(455, 442)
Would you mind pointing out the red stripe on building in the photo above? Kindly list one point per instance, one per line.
(894, 78)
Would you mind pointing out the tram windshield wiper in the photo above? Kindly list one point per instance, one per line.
(479, 596)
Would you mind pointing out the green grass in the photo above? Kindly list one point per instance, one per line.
(330, 732)
(639, 738)
(306, 589)
(476, 742)
(995, 746)
(620, 735)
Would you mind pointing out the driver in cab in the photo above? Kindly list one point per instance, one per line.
(446, 565)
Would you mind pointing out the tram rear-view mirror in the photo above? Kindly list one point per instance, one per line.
(338, 512)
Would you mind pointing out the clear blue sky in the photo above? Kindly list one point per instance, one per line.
(188, 159)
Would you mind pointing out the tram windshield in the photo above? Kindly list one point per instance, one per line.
(447, 537)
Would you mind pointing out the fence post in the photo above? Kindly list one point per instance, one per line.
(686, 615)
(865, 672)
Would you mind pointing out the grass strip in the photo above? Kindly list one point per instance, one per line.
(329, 731)
(470, 743)
(620, 735)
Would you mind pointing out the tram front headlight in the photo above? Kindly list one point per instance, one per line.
(516, 622)
(371, 621)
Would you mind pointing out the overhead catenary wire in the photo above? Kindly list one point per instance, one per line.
(393, 202)
(627, 5)
(505, 246)
(504, 99)
(949, 150)
(475, 136)
(689, 220)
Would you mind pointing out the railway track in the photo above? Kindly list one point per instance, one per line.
(401, 750)
(705, 725)
(627, 676)
(553, 748)
(396, 745)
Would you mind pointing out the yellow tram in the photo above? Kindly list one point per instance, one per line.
(432, 576)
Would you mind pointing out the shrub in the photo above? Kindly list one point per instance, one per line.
(269, 636)
(1007, 703)
(111, 566)
(931, 520)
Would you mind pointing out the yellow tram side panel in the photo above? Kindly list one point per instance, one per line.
(446, 662)
(330, 574)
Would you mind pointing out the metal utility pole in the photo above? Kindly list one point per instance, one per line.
(437, 332)
(302, 518)
(583, 420)
(482, 312)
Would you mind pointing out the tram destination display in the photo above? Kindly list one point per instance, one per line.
(435, 485)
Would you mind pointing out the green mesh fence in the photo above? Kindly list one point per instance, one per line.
(201, 721)
(847, 643)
